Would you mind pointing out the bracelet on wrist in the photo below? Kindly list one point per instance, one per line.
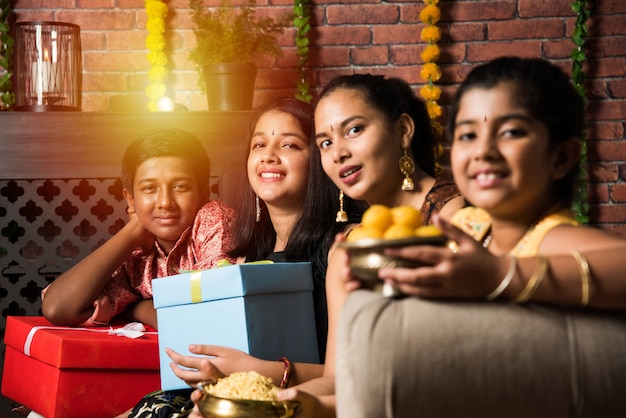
(505, 281)
(286, 373)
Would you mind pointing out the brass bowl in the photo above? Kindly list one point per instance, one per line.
(212, 406)
(368, 255)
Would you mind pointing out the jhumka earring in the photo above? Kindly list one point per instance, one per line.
(258, 208)
(342, 216)
(407, 167)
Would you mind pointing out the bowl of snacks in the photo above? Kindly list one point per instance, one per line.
(382, 227)
(243, 395)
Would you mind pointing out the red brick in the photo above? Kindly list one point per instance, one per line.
(487, 51)
(609, 6)
(95, 4)
(372, 55)
(611, 110)
(396, 34)
(126, 40)
(133, 4)
(602, 172)
(410, 13)
(276, 78)
(406, 54)
(94, 82)
(605, 25)
(104, 20)
(482, 11)
(526, 29)
(362, 14)
(34, 15)
(330, 57)
(44, 4)
(343, 35)
(618, 193)
(557, 48)
(608, 213)
(601, 130)
(544, 8)
(608, 46)
(617, 88)
(115, 61)
(598, 193)
(90, 40)
(607, 151)
(596, 89)
(463, 32)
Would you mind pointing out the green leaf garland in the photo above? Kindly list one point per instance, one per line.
(7, 95)
(578, 56)
(301, 22)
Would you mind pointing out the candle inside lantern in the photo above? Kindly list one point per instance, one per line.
(44, 75)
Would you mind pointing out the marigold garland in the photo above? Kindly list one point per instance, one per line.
(431, 72)
(156, 11)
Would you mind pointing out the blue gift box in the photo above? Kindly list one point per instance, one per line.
(265, 310)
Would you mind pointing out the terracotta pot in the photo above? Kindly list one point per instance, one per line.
(229, 86)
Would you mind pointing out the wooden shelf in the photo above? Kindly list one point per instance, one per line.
(58, 145)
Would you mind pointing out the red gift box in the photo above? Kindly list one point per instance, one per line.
(77, 372)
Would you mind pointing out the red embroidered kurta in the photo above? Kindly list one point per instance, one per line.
(200, 247)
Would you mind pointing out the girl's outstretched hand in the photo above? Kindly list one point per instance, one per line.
(213, 362)
(469, 272)
(192, 369)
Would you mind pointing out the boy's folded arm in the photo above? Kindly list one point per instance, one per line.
(76, 295)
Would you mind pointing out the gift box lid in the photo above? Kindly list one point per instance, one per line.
(231, 282)
(84, 348)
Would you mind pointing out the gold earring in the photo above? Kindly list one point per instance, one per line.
(407, 167)
(258, 208)
(342, 216)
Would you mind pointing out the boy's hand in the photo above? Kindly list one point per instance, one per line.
(144, 239)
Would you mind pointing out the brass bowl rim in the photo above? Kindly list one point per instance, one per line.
(378, 244)
(205, 392)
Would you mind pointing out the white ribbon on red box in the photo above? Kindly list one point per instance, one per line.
(131, 330)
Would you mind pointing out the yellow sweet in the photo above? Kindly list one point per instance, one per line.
(406, 216)
(361, 232)
(428, 231)
(397, 231)
(380, 221)
(377, 217)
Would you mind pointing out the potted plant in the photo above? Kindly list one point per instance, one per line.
(228, 39)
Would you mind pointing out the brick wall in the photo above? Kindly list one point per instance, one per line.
(380, 37)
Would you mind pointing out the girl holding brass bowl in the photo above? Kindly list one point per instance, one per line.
(286, 213)
(527, 315)
(386, 153)
(377, 144)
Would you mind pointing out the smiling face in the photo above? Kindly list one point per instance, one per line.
(500, 155)
(359, 149)
(166, 198)
(278, 164)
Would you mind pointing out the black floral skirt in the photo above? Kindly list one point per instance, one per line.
(163, 404)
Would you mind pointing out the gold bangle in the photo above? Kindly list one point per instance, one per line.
(534, 281)
(585, 277)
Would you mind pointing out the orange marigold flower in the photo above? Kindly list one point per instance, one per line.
(431, 34)
(430, 72)
(434, 110)
(430, 14)
(431, 53)
(430, 92)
